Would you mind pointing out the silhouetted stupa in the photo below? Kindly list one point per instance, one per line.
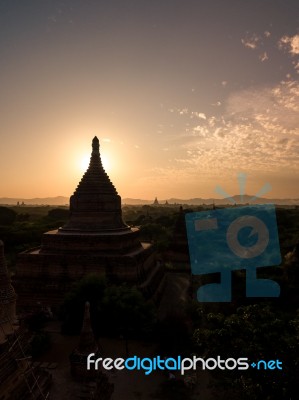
(95, 240)
(156, 203)
(87, 344)
(103, 389)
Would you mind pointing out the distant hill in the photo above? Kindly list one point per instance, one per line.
(237, 199)
(136, 202)
(61, 200)
(51, 201)
(199, 201)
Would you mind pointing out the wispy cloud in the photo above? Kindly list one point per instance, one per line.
(290, 43)
(183, 111)
(259, 131)
(251, 42)
(217, 104)
(255, 129)
(254, 41)
(199, 115)
(264, 57)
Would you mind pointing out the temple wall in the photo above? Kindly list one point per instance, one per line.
(113, 243)
(46, 278)
(95, 240)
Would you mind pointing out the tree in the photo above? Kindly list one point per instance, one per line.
(59, 213)
(256, 332)
(126, 312)
(115, 310)
(7, 216)
(91, 289)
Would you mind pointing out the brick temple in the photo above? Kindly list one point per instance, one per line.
(18, 378)
(95, 240)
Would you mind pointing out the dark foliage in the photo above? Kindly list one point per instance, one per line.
(59, 214)
(7, 216)
(257, 332)
(115, 310)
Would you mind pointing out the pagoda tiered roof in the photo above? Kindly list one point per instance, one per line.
(95, 179)
(87, 343)
(95, 205)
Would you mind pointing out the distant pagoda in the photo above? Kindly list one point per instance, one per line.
(95, 240)
(156, 203)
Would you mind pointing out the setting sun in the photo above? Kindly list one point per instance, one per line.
(106, 163)
(84, 163)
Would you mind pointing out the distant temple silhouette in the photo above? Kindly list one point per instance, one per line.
(156, 203)
(95, 240)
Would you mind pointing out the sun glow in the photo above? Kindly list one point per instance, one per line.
(84, 162)
(106, 163)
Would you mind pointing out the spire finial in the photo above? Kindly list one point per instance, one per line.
(87, 341)
(95, 146)
(86, 318)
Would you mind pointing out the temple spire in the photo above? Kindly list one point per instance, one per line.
(87, 344)
(87, 341)
(95, 205)
(95, 146)
(95, 179)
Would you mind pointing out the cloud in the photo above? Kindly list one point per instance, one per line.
(265, 126)
(258, 131)
(264, 57)
(199, 115)
(183, 111)
(251, 42)
(278, 103)
(289, 43)
(190, 114)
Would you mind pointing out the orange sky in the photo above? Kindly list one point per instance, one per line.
(181, 98)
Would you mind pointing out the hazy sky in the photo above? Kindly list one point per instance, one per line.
(183, 95)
